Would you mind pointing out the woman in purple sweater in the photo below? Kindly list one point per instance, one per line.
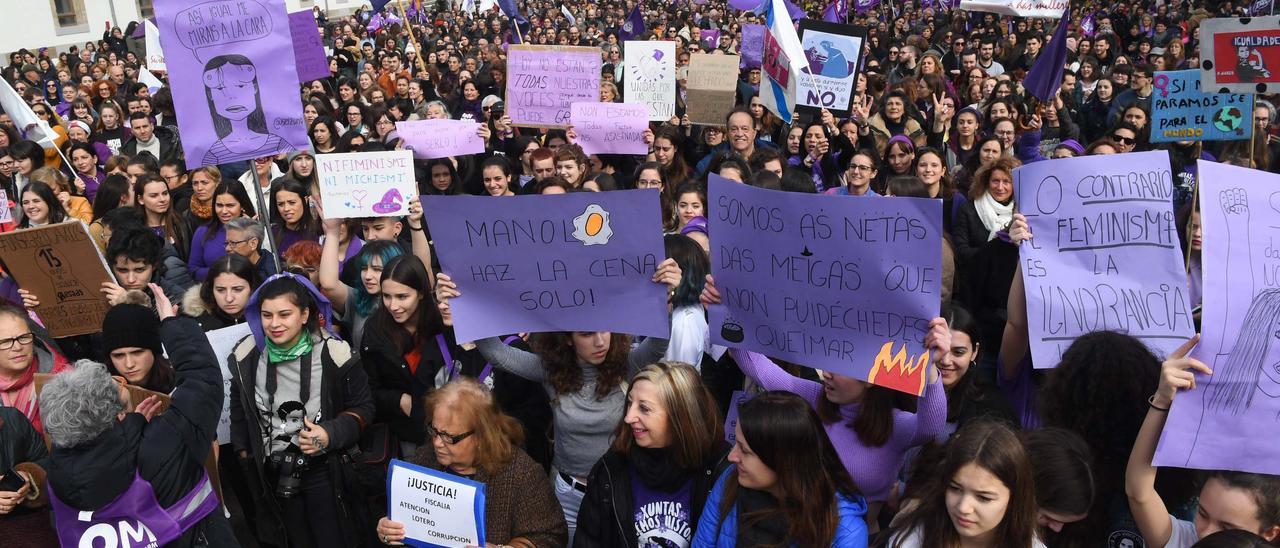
(210, 239)
(871, 445)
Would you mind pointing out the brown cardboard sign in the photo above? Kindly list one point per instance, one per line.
(712, 85)
(61, 266)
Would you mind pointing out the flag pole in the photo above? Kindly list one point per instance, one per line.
(408, 24)
(516, 25)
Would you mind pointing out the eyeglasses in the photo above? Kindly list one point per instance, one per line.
(447, 438)
(1124, 140)
(22, 340)
(860, 167)
(234, 243)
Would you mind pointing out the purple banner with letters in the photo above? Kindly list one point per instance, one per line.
(1105, 255)
(430, 139)
(308, 50)
(842, 284)
(569, 262)
(1228, 421)
(234, 81)
(542, 81)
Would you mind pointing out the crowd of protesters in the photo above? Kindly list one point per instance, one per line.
(595, 438)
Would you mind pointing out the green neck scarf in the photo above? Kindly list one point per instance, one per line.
(277, 354)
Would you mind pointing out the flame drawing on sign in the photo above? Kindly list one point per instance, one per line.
(899, 371)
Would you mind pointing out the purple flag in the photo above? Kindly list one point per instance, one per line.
(1045, 77)
(796, 12)
(710, 38)
(1089, 26)
(863, 6)
(844, 284)
(837, 11)
(234, 79)
(633, 26)
(1223, 423)
(926, 4)
(552, 263)
(1260, 7)
(752, 48)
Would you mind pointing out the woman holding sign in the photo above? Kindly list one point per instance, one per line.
(585, 372)
(299, 399)
(471, 437)
(652, 485)
(786, 486)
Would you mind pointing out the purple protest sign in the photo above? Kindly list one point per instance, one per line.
(731, 416)
(1225, 422)
(430, 139)
(567, 262)
(308, 50)
(710, 38)
(610, 128)
(1105, 254)
(542, 81)
(846, 285)
(232, 71)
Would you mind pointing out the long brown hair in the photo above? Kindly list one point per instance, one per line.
(692, 415)
(786, 434)
(996, 449)
(557, 352)
(874, 423)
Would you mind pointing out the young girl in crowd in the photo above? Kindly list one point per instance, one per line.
(774, 494)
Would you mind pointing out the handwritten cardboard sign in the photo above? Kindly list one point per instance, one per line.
(1227, 422)
(542, 81)
(552, 263)
(366, 184)
(712, 86)
(1105, 254)
(61, 265)
(611, 128)
(650, 77)
(430, 139)
(1180, 111)
(308, 49)
(846, 285)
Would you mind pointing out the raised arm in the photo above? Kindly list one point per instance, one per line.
(1148, 510)
(513, 360)
(1015, 343)
(330, 284)
(772, 377)
(197, 399)
(418, 234)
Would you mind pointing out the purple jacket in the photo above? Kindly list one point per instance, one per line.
(203, 253)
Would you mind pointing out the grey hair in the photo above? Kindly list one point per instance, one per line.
(1271, 109)
(81, 404)
(439, 103)
(250, 226)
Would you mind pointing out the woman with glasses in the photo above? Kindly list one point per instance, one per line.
(209, 242)
(22, 355)
(649, 176)
(859, 174)
(299, 399)
(471, 437)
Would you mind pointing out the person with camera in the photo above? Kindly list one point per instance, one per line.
(119, 472)
(299, 399)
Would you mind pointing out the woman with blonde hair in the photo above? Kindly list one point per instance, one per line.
(470, 436)
(666, 455)
(77, 206)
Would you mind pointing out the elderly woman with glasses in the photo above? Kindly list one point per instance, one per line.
(469, 436)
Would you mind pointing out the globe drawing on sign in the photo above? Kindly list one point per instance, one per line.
(1228, 119)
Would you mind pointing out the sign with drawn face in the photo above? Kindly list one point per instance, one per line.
(1240, 55)
(832, 55)
(232, 71)
(1227, 421)
(565, 262)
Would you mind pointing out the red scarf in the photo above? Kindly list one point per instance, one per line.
(21, 394)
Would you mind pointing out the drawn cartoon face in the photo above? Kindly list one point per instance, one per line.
(234, 90)
(293, 421)
(1269, 381)
(1242, 52)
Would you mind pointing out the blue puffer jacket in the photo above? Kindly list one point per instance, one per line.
(715, 531)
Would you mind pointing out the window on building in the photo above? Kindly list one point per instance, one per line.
(306, 3)
(69, 15)
(146, 9)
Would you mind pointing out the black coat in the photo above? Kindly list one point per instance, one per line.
(390, 379)
(169, 451)
(346, 407)
(607, 515)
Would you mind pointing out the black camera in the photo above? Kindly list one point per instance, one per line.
(289, 465)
